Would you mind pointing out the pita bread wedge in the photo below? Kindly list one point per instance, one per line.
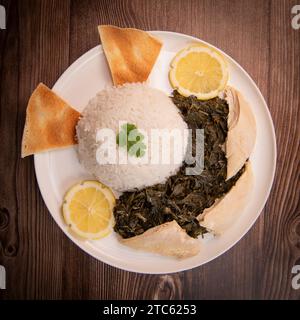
(131, 53)
(241, 131)
(50, 122)
(226, 211)
(168, 239)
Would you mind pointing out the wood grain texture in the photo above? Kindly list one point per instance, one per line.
(41, 40)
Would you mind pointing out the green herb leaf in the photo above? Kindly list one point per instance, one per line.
(130, 137)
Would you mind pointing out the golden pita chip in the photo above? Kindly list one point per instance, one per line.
(50, 122)
(131, 53)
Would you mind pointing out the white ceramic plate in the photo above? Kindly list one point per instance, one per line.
(57, 171)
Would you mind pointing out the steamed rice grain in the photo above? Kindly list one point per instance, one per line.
(138, 104)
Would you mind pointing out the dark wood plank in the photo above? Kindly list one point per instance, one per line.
(35, 270)
(9, 235)
(42, 39)
(281, 237)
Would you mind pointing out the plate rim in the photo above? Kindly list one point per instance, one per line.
(91, 251)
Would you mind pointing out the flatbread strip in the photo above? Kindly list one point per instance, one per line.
(168, 239)
(131, 53)
(50, 122)
(241, 131)
(223, 214)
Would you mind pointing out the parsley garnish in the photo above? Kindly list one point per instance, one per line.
(130, 137)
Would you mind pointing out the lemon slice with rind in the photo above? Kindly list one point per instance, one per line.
(88, 209)
(199, 70)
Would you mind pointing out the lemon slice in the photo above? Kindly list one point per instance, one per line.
(198, 70)
(88, 209)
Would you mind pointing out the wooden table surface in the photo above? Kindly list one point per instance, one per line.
(41, 40)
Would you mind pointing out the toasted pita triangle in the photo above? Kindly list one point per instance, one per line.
(131, 53)
(50, 122)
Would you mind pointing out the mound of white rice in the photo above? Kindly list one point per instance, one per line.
(137, 104)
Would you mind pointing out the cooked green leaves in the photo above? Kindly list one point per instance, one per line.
(183, 197)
